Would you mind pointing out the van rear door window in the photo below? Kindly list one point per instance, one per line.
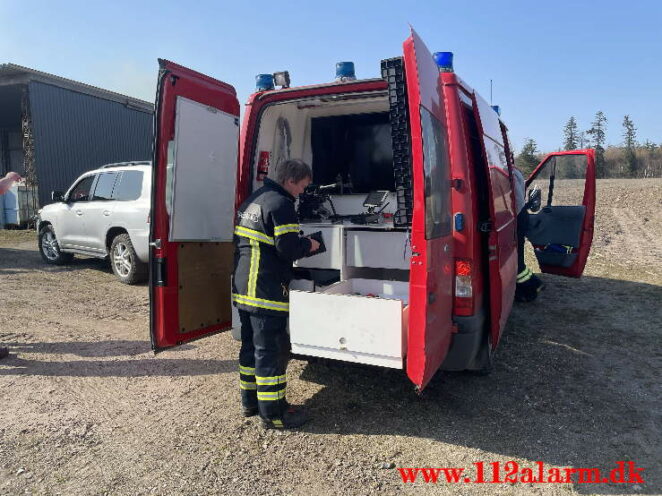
(437, 177)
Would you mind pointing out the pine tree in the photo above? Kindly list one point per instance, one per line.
(649, 146)
(528, 158)
(570, 134)
(598, 133)
(630, 143)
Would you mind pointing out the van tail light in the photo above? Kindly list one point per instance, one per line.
(463, 303)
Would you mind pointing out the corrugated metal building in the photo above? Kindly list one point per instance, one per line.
(53, 129)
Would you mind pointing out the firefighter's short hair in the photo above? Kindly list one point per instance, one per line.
(293, 169)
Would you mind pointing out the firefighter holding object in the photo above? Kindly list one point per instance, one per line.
(528, 284)
(267, 242)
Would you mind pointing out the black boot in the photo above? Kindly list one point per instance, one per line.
(249, 411)
(527, 291)
(291, 419)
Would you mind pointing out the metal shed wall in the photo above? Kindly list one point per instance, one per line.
(74, 132)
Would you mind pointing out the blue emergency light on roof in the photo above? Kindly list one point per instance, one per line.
(264, 82)
(345, 71)
(444, 61)
(497, 109)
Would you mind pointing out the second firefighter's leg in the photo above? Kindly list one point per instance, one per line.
(269, 337)
(247, 384)
(522, 227)
(528, 285)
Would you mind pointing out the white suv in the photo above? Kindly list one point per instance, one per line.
(105, 213)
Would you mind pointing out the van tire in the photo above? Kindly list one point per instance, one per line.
(49, 248)
(485, 358)
(124, 261)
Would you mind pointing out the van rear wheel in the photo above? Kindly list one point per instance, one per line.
(124, 261)
(485, 356)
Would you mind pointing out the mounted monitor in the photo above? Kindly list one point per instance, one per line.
(357, 148)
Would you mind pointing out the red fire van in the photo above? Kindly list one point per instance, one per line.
(413, 197)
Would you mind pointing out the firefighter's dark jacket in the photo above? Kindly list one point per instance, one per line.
(267, 241)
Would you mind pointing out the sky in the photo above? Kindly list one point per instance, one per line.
(547, 60)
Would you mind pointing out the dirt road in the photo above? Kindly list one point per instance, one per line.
(85, 407)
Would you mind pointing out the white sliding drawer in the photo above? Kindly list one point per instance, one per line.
(386, 250)
(340, 324)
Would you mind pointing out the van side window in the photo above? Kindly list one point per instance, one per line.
(436, 169)
(561, 180)
(81, 192)
(130, 186)
(105, 184)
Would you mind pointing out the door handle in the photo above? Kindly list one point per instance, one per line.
(79, 212)
(106, 213)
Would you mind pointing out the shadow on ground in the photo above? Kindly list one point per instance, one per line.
(576, 383)
(160, 365)
(16, 261)
(90, 349)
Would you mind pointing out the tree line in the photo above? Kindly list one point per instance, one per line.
(630, 159)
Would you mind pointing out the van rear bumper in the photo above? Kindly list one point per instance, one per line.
(465, 347)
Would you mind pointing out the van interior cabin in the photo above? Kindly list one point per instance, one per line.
(356, 203)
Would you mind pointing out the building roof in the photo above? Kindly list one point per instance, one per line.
(15, 74)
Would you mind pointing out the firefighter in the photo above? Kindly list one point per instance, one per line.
(267, 241)
(528, 284)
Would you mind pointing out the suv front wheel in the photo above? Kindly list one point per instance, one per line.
(124, 261)
(50, 249)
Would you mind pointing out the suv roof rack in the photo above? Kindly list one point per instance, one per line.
(126, 164)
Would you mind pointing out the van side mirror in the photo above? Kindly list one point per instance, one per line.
(57, 196)
(534, 200)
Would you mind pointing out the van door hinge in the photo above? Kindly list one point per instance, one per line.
(156, 244)
(159, 271)
(486, 226)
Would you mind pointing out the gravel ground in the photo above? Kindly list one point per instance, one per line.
(86, 408)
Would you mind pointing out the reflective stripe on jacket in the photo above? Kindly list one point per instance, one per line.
(267, 241)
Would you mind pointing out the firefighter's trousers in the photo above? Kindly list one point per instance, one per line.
(522, 230)
(265, 348)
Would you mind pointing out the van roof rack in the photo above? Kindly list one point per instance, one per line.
(125, 164)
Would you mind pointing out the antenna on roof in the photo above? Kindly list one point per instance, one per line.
(490, 92)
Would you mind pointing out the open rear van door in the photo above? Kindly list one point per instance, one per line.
(193, 198)
(431, 274)
(561, 232)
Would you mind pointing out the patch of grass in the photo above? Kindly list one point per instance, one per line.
(11, 236)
